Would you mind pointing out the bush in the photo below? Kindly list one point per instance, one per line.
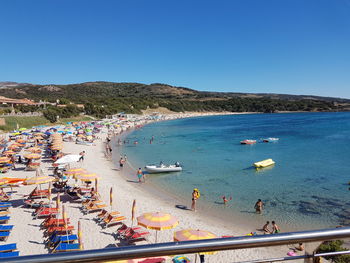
(334, 246)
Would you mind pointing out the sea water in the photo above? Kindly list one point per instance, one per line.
(306, 188)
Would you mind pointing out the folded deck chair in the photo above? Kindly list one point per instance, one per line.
(4, 213)
(4, 219)
(104, 214)
(124, 228)
(9, 254)
(4, 235)
(8, 247)
(113, 220)
(132, 236)
(94, 208)
(65, 247)
(6, 227)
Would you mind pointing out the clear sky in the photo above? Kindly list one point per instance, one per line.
(272, 46)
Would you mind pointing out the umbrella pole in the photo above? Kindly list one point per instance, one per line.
(156, 235)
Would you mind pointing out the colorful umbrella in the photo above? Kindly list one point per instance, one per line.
(34, 150)
(32, 156)
(192, 234)
(157, 221)
(3, 181)
(4, 159)
(9, 152)
(80, 236)
(111, 197)
(86, 177)
(39, 180)
(75, 171)
(181, 259)
(133, 211)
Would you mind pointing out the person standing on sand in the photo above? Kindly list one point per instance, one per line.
(121, 162)
(82, 154)
(259, 206)
(195, 196)
(140, 175)
(275, 228)
(266, 228)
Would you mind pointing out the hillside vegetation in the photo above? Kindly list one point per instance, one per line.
(105, 98)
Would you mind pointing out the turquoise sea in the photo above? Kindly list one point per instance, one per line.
(306, 188)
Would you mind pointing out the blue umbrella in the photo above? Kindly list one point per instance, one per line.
(181, 259)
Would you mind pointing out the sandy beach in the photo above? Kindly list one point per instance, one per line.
(29, 237)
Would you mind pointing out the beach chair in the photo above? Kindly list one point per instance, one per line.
(8, 247)
(4, 213)
(66, 247)
(56, 239)
(5, 203)
(45, 212)
(54, 222)
(89, 202)
(59, 229)
(95, 207)
(35, 204)
(104, 213)
(132, 236)
(124, 228)
(9, 254)
(112, 220)
(4, 219)
(6, 228)
(4, 235)
(5, 207)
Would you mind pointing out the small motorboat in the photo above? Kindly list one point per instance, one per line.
(163, 168)
(248, 142)
(264, 163)
(270, 140)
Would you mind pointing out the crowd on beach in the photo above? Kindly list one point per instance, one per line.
(70, 193)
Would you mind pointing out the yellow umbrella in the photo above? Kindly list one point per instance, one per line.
(86, 177)
(75, 171)
(4, 159)
(32, 156)
(133, 211)
(3, 181)
(34, 150)
(192, 234)
(157, 221)
(9, 152)
(39, 180)
(57, 148)
(80, 236)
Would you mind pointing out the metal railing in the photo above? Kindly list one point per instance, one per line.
(187, 247)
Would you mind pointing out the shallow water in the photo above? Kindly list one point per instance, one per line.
(306, 188)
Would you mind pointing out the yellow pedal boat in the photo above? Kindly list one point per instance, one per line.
(264, 163)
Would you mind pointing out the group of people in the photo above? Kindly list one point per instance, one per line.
(275, 228)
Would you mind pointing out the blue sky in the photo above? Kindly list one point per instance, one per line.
(272, 46)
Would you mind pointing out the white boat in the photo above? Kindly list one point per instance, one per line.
(270, 140)
(163, 168)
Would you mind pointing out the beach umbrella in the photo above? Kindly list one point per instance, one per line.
(157, 221)
(70, 158)
(34, 150)
(32, 156)
(181, 259)
(58, 200)
(80, 236)
(133, 212)
(22, 129)
(4, 159)
(75, 171)
(39, 180)
(57, 148)
(8, 152)
(111, 197)
(193, 234)
(21, 141)
(3, 181)
(86, 177)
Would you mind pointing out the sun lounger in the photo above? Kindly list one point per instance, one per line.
(9, 254)
(6, 228)
(89, 202)
(4, 213)
(54, 222)
(112, 220)
(4, 235)
(35, 204)
(46, 212)
(4, 219)
(8, 247)
(132, 236)
(104, 213)
(5, 207)
(65, 247)
(62, 239)
(52, 229)
(124, 229)
(95, 207)
(5, 203)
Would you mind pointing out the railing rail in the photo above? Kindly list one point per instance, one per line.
(187, 247)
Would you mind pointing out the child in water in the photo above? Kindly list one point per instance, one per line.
(226, 200)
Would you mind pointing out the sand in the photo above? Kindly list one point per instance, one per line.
(29, 237)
